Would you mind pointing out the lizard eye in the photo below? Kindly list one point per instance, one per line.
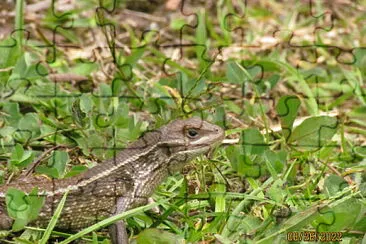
(192, 133)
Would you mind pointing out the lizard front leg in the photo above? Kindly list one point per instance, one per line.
(117, 231)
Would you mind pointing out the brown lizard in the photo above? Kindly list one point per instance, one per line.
(119, 184)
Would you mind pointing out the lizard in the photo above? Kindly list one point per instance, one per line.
(119, 184)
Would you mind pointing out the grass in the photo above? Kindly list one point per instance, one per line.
(285, 81)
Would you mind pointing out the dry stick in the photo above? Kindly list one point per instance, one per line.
(40, 6)
(32, 166)
(67, 77)
(7, 69)
(346, 178)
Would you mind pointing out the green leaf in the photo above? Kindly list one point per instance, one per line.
(276, 191)
(19, 157)
(75, 170)
(201, 39)
(275, 162)
(23, 208)
(17, 152)
(360, 58)
(7, 131)
(105, 90)
(12, 113)
(240, 224)
(191, 87)
(29, 127)
(242, 163)
(235, 73)
(116, 87)
(58, 160)
(9, 53)
(340, 216)
(121, 121)
(35, 202)
(201, 32)
(313, 133)
(252, 142)
(220, 201)
(84, 68)
(131, 60)
(19, 224)
(152, 236)
(334, 184)
(95, 238)
(20, 69)
(360, 150)
(56, 165)
(177, 24)
(287, 109)
(273, 80)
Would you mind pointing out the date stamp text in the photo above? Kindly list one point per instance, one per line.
(313, 236)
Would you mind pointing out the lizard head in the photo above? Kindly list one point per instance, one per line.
(187, 139)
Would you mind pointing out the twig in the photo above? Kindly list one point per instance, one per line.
(32, 166)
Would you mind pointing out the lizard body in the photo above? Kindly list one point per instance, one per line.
(119, 184)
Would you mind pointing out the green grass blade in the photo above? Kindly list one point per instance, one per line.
(111, 220)
(19, 23)
(53, 221)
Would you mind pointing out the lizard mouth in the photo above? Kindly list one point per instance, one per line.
(210, 151)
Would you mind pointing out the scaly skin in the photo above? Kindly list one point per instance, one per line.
(119, 184)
